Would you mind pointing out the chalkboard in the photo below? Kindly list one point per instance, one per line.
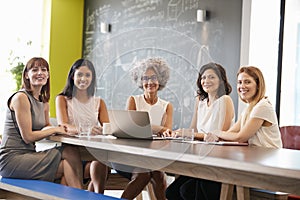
(142, 28)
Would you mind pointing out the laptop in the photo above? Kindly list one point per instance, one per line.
(131, 124)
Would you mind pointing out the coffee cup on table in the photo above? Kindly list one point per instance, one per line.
(106, 129)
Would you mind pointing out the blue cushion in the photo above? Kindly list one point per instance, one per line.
(55, 189)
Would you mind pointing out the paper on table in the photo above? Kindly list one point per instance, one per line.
(229, 143)
(225, 143)
(97, 136)
(190, 142)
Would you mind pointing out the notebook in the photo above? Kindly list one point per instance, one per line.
(131, 124)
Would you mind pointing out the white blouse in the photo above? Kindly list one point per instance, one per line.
(156, 111)
(210, 118)
(266, 136)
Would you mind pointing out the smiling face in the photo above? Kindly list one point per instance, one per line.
(150, 81)
(83, 78)
(37, 75)
(246, 87)
(210, 81)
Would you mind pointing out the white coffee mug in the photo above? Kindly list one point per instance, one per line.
(106, 129)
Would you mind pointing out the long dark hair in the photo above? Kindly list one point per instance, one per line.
(224, 87)
(69, 87)
(45, 91)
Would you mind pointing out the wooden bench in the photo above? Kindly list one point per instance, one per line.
(36, 189)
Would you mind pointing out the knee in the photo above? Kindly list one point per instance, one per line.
(70, 152)
(99, 165)
(96, 164)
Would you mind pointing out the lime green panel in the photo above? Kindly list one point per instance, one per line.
(65, 42)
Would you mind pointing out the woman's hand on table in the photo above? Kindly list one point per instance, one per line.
(210, 137)
(167, 133)
(170, 133)
(97, 130)
(177, 133)
(56, 129)
(61, 129)
(67, 129)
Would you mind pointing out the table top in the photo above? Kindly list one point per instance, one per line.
(215, 162)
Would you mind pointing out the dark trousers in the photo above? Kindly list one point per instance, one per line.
(188, 188)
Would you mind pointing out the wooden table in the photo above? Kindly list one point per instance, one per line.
(271, 169)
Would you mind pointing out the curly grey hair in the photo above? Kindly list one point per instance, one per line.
(157, 64)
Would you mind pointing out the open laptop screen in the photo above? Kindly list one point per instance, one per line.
(130, 124)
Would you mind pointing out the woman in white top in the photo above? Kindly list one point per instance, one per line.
(157, 111)
(151, 75)
(75, 104)
(213, 110)
(258, 125)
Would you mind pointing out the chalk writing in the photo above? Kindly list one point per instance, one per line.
(149, 28)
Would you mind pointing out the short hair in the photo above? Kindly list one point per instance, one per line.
(69, 87)
(224, 87)
(157, 64)
(258, 77)
(45, 91)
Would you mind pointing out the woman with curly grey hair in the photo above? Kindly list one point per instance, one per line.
(151, 75)
(158, 65)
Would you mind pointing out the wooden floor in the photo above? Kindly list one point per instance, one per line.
(118, 193)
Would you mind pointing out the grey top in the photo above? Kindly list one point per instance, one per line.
(20, 160)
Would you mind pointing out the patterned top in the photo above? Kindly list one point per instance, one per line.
(78, 111)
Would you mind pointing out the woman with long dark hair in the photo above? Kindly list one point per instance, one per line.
(214, 110)
(77, 103)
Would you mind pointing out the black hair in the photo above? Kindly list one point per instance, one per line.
(69, 87)
(224, 87)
